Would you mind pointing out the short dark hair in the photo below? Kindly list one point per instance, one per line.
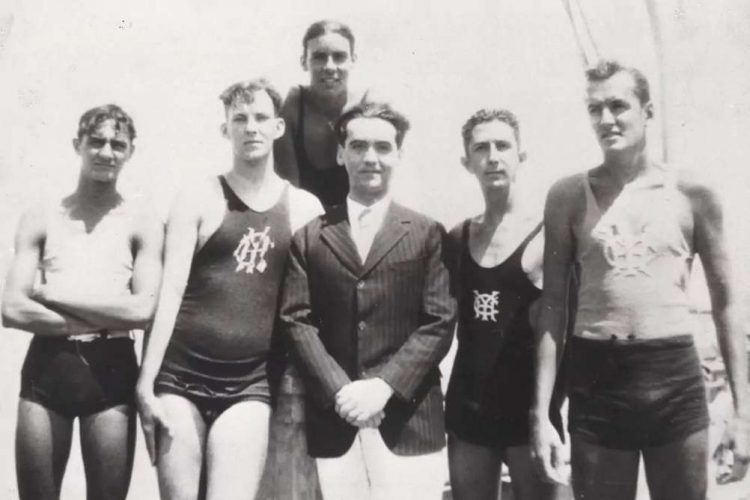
(324, 26)
(485, 115)
(243, 92)
(605, 69)
(371, 109)
(91, 119)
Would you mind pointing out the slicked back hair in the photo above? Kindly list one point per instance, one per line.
(93, 118)
(323, 27)
(244, 92)
(371, 109)
(486, 115)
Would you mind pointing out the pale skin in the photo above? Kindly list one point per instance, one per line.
(493, 157)
(176, 436)
(64, 308)
(619, 120)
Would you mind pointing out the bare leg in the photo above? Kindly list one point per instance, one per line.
(236, 451)
(42, 447)
(180, 456)
(107, 448)
(525, 482)
(679, 469)
(474, 470)
(600, 472)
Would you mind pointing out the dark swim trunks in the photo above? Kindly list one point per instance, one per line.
(211, 399)
(77, 379)
(635, 394)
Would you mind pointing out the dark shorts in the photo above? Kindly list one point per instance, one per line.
(635, 394)
(494, 432)
(77, 379)
(210, 397)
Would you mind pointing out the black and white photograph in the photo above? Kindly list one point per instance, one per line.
(342, 250)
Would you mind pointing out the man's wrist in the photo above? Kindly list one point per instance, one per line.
(386, 387)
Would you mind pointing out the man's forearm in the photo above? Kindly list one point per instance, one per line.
(732, 345)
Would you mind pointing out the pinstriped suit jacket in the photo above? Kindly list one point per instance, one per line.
(391, 317)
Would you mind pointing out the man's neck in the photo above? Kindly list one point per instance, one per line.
(367, 200)
(253, 175)
(497, 204)
(329, 104)
(93, 193)
(626, 166)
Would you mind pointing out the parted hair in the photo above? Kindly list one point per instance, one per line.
(323, 27)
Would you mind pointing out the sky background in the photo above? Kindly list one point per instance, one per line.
(166, 63)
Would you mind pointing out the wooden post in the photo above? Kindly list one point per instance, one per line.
(290, 472)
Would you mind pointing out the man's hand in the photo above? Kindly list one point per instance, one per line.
(153, 420)
(735, 442)
(550, 456)
(361, 402)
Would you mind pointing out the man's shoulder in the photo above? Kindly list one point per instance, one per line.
(691, 183)
(570, 186)
(304, 207)
(290, 105)
(199, 194)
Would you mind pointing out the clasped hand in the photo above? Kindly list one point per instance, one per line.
(361, 402)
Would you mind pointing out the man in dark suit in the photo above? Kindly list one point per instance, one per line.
(367, 309)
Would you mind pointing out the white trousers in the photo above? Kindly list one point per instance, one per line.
(370, 471)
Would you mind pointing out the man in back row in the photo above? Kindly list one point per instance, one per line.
(631, 228)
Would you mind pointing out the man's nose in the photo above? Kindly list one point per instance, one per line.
(371, 156)
(607, 116)
(106, 150)
(251, 126)
(494, 156)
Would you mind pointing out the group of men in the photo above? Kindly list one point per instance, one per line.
(367, 311)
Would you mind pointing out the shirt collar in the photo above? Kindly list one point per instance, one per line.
(377, 209)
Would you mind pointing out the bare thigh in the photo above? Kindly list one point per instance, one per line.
(474, 470)
(525, 481)
(180, 455)
(43, 440)
(107, 446)
(236, 451)
(678, 469)
(599, 472)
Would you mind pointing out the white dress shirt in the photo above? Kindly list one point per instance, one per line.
(365, 222)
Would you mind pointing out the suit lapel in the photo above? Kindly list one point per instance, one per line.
(337, 235)
(395, 226)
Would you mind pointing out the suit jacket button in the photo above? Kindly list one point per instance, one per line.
(361, 325)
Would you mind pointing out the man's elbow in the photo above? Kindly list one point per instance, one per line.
(12, 314)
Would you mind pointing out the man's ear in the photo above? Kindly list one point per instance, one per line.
(522, 156)
(76, 144)
(303, 62)
(223, 130)
(340, 155)
(280, 128)
(649, 107)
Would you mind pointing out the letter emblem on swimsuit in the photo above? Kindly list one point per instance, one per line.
(628, 254)
(251, 251)
(485, 305)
